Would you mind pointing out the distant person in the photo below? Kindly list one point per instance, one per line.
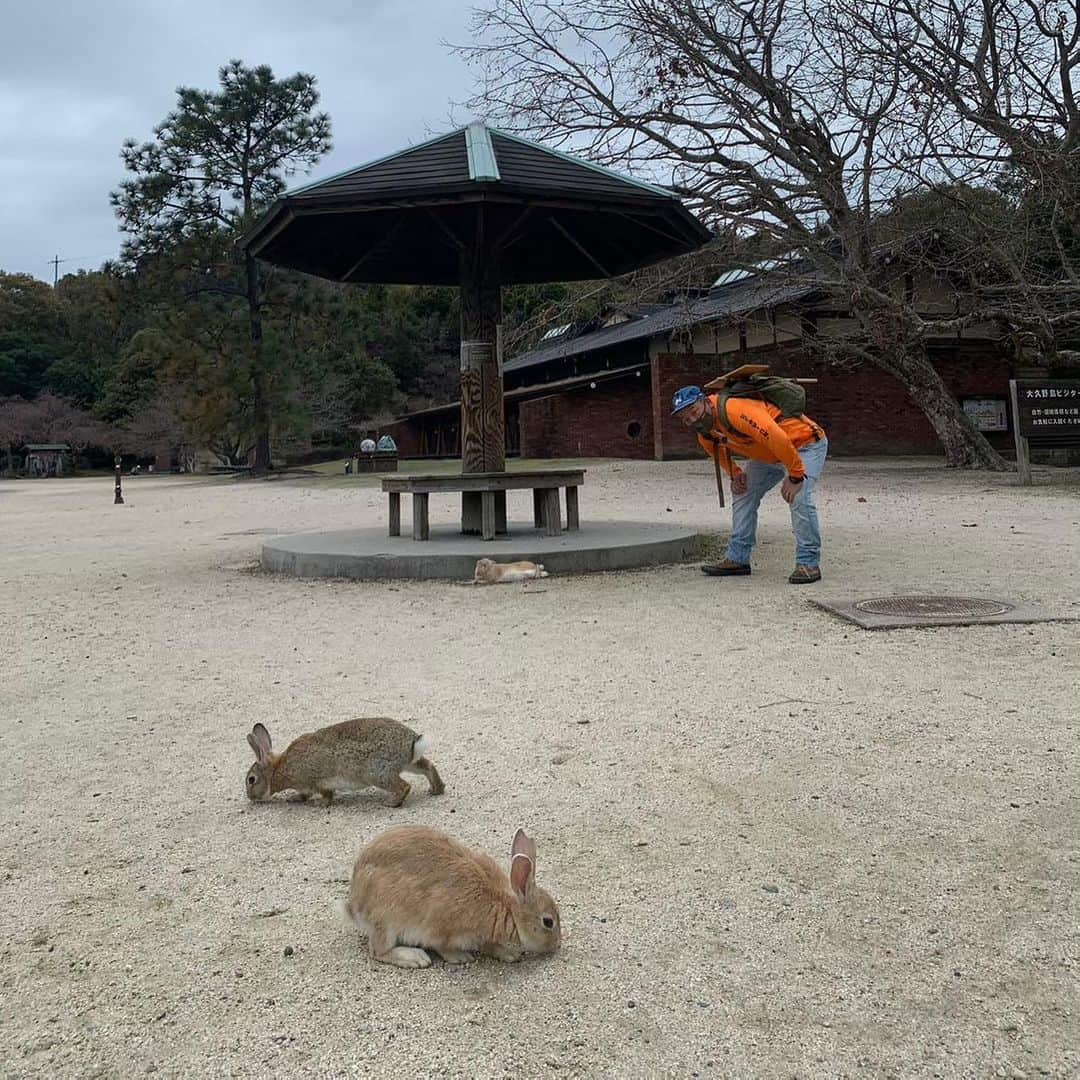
(789, 451)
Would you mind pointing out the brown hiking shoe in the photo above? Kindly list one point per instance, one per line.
(727, 568)
(804, 575)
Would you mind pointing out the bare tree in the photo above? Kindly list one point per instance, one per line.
(15, 422)
(989, 97)
(51, 419)
(157, 428)
(757, 112)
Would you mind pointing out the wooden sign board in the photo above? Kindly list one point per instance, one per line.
(743, 372)
(1046, 412)
(1048, 407)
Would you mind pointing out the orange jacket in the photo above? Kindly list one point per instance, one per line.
(752, 431)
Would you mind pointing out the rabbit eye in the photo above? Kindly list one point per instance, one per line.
(549, 922)
(251, 779)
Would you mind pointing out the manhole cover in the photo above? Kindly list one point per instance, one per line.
(932, 607)
(894, 612)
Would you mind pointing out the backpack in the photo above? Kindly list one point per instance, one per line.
(786, 394)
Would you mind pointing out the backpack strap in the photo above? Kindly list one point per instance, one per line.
(719, 446)
(719, 410)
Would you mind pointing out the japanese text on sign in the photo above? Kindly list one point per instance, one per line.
(1046, 392)
(1050, 407)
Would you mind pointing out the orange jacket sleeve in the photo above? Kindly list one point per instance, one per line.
(751, 418)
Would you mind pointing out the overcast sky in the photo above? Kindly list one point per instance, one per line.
(77, 77)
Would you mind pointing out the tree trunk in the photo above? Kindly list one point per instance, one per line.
(965, 446)
(262, 395)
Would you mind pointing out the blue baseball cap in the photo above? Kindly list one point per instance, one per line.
(686, 396)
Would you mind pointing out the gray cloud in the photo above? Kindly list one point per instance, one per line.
(77, 78)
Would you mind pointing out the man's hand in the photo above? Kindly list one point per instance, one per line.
(789, 489)
(739, 485)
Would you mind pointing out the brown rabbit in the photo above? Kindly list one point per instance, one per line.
(367, 752)
(489, 572)
(415, 889)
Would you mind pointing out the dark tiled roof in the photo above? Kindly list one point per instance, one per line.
(436, 163)
(529, 212)
(528, 165)
(637, 310)
(738, 299)
(472, 155)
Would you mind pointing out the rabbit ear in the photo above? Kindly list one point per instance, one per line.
(259, 740)
(522, 864)
(521, 876)
(523, 845)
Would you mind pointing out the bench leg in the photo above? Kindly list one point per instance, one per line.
(420, 529)
(500, 513)
(552, 512)
(487, 504)
(572, 521)
(538, 507)
(472, 513)
(395, 513)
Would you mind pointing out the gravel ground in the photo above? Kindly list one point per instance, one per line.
(782, 846)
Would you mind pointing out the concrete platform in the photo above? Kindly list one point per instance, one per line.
(369, 554)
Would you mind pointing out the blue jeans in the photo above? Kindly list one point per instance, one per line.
(804, 519)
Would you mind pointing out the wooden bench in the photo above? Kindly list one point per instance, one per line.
(483, 499)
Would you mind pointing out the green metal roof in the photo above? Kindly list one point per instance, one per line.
(482, 163)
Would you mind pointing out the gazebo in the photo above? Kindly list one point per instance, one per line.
(478, 208)
(46, 459)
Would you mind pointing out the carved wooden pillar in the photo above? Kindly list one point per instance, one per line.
(483, 447)
(483, 439)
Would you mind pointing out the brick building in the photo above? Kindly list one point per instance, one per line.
(604, 390)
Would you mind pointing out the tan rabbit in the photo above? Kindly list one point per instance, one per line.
(368, 752)
(489, 572)
(415, 889)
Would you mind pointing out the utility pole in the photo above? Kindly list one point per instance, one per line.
(55, 262)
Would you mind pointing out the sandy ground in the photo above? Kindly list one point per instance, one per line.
(782, 846)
